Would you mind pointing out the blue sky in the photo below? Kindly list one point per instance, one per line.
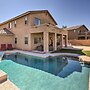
(65, 12)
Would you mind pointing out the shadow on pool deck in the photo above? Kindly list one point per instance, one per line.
(27, 78)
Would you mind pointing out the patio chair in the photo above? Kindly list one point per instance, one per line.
(9, 46)
(39, 48)
(3, 47)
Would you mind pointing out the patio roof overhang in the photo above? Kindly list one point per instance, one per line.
(5, 32)
(49, 28)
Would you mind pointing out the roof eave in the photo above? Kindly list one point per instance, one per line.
(26, 13)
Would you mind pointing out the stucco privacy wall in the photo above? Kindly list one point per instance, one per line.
(6, 40)
(80, 42)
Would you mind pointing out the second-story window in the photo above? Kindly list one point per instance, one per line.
(26, 20)
(37, 21)
(74, 31)
(15, 23)
(10, 25)
(78, 32)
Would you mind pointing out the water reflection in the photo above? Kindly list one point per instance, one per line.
(60, 66)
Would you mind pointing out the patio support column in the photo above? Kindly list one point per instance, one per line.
(46, 41)
(55, 41)
(66, 40)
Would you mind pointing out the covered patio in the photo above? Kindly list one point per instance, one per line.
(48, 39)
(6, 39)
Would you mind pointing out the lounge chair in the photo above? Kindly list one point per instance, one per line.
(9, 46)
(3, 47)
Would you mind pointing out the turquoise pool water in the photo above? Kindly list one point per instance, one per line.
(29, 78)
(59, 65)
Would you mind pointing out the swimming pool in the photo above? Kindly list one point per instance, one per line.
(30, 72)
(59, 65)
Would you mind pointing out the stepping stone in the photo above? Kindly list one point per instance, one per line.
(3, 76)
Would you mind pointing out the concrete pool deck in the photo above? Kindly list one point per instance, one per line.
(85, 58)
(85, 48)
(8, 85)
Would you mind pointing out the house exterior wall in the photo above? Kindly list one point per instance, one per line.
(45, 18)
(79, 37)
(74, 34)
(6, 40)
(21, 30)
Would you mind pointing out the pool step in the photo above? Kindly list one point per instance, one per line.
(3, 76)
(8, 85)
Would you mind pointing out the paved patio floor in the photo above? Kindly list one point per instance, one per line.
(86, 48)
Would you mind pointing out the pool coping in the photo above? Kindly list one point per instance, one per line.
(82, 58)
(39, 54)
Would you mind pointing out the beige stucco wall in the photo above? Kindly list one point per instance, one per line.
(6, 40)
(45, 18)
(21, 30)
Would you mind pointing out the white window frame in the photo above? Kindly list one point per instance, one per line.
(15, 23)
(74, 31)
(15, 40)
(26, 20)
(37, 23)
(10, 25)
(26, 40)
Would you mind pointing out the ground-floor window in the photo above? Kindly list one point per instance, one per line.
(81, 38)
(88, 37)
(37, 40)
(15, 40)
(26, 40)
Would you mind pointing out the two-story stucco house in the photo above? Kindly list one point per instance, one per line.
(33, 30)
(79, 32)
